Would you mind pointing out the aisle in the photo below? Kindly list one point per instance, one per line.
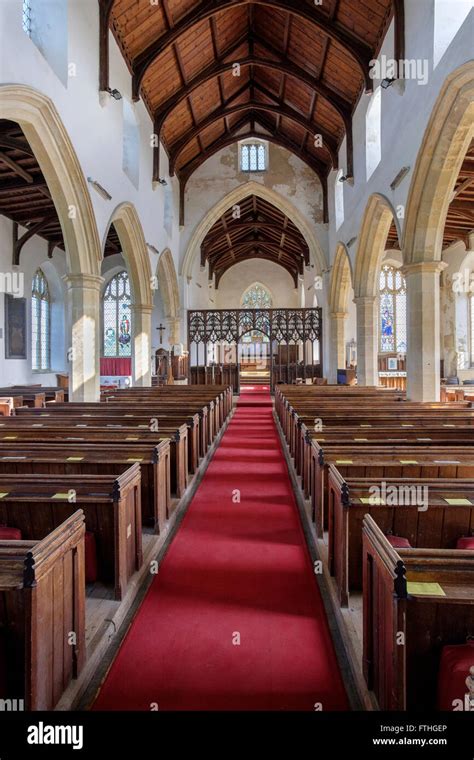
(234, 619)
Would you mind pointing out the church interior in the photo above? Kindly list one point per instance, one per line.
(236, 356)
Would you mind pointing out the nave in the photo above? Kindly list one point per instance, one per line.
(234, 619)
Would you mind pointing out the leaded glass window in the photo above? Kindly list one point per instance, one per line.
(117, 315)
(256, 297)
(40, 323)
(253, 157)
(393, 309)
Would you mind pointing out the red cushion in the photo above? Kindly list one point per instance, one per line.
(3, 666)
(9, 534)
(466, 542)
(90, 551)
(456, 660)
(398, 542)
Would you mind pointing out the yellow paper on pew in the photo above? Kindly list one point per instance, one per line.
(10, 437)
(135, 459)
(424, 589)
(407, 424)
(448, 424)
(3, 494)
(408, 461)
(132, 438)
(373, 501)
(74, 459)
(361, 439)
(459, 502)
(344, 461)
(60, 495)
(365, 425)
(43, 414)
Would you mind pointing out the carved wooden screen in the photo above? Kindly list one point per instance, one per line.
(301, 328)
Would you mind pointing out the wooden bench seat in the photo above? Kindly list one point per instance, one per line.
(42, 600)
(37, 504)
(178, 441)
(435, 524)
(404, 461)
(100, 459)
(404, 630)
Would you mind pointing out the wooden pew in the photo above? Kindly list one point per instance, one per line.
(52, 393)
(37, 504)
(404, 461)
(436, 524)
(26, 397)
(404, 631)
(42, 600)
(100, 459)
(110, 436)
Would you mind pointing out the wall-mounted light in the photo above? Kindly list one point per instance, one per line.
(387, 82)
(162, 181)
(153, 249)
(343, 178)
(114, 93)
(99, 189)
(351, 242)
(401, 174)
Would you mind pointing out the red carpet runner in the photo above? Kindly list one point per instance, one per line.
(236, 571)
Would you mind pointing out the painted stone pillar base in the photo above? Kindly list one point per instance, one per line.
(141, 350)
(367, 340)
(423, 330)
(338, 344)
(83, 310)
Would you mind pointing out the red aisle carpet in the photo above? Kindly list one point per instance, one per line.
(233, 570)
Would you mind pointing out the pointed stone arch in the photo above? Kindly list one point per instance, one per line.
(317, 255)
(378, 217)
(445, 143)
(341, 280)
(169, 289)
(53, 149)
(135, 252)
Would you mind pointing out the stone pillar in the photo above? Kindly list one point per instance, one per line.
(423, 330)
(84, 342)
(141, 348)
(174, 325)
(338, 344)
(367, 339)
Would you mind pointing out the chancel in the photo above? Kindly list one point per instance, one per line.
(252, 487)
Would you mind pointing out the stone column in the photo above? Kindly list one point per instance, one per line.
(141, 348)
(423, 330)
(338, 344)
(84, 342)
(367, 339)
(174, 324)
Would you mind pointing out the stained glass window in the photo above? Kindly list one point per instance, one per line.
(117, 315)
(40, 323)
(253, 157)
(256, 297)
(393, 308)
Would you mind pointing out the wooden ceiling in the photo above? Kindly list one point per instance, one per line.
(260, 231)
(211, 71)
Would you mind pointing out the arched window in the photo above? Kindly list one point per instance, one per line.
(117, 317)
(393, 310)
(40, 323)
(253, 157)
(256, 297)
